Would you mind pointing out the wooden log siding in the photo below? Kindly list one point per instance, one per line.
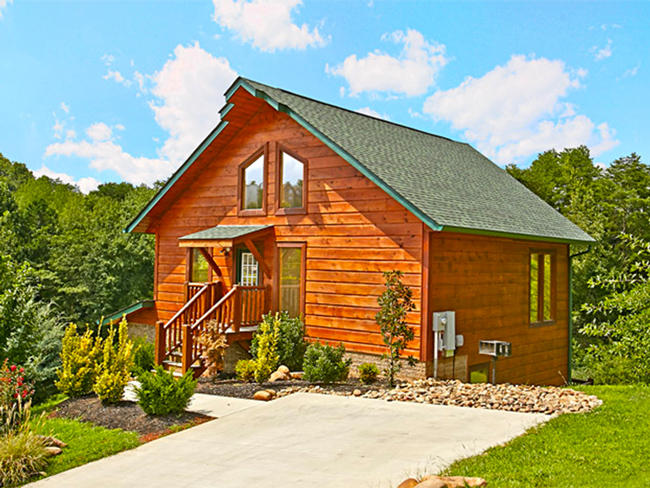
(353, 230)
(485, 280)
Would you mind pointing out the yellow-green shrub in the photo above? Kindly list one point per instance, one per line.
(245, 369)
(79, 358)
(268, 359)
(368, 373)
(115, 370)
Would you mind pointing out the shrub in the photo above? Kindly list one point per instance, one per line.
(325, 364)
(267, 358)
(368, 373)
(22, 456)
(116, 366)
(79, 358)
(291, 343)
(143, 356)
(15, 397)
(160, 393)
(245, 370)
(214, 344)
(395, 304)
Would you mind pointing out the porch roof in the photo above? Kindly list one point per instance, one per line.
(223, 235)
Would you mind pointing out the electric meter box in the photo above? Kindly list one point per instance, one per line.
(445, 322)
(495, 348)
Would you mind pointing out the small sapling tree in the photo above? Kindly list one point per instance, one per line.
(396, 302)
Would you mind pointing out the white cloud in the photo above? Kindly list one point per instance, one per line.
(602, 53)
(266, 24)
(3, 4)
(517, 110)
(99, 132)
(86, 185)
(372, 113)
(188, 91)
(631, 72)
(411, 73)
(117, 76)
(65, 108)
(190, 88)
(108, 59)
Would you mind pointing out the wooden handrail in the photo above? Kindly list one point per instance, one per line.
(207, 314)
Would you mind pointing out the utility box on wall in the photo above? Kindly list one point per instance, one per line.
(444, 323)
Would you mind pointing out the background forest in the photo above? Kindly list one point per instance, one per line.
(64, 258)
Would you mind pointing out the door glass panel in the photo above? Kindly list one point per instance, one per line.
(249, 269)
(254, 184)
(199, 268)
(292, 176)
(290, 276)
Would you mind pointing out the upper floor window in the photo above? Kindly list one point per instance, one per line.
(292, 177)
(542, 287)
(253, 183)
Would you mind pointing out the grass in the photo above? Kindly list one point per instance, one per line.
(86, 442)
(605, 447)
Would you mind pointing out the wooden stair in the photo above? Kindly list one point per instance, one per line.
(238, 313)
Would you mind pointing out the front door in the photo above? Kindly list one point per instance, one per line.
(248, 270)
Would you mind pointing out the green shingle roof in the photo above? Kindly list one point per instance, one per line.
(447, 183)
(224, 232)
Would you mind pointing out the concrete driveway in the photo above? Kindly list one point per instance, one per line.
(306, 440)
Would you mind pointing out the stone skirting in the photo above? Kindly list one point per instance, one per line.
(142, 330)
(407, 372)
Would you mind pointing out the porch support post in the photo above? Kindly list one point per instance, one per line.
(160, 342)
(187, 347)
(258, 257)
(211, 262)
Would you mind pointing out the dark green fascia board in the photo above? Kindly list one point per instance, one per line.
(512, 235)
(126, 311)
(175, 177)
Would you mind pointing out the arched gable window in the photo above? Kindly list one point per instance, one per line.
(252, 184)
(292, 190)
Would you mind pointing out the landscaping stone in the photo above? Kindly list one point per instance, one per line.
(356, 392)
(53, 451)
(282, 374)
(409, 483)
(263, 395)
(514, 398)
(284, 370)
(52, 441)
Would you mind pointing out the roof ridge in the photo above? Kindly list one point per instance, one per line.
(354, 112)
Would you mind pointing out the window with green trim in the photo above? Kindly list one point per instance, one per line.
(542, 287)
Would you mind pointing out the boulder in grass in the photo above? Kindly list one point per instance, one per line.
(433, 481)
(52, 441)
(53, 451)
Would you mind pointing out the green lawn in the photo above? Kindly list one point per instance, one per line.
(86, 442)
(607, 447)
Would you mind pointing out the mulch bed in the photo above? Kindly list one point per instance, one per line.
(126, 416)
(238, 389)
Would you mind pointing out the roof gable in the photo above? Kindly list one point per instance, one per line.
(447, 184)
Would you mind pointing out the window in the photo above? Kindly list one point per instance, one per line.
(248, 272)
(252, 184)
(198, 267)
(291, 175)
(291, 267)
(542, 287)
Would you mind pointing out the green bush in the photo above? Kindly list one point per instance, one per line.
(143, 356)
(266, 355)
(22, 456)
(368, 373)
(245, 370)
(115, 370)
(80, 355)
(160, 393)
(291, 345)
(325, 364)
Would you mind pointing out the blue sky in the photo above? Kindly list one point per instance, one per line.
(125, 90)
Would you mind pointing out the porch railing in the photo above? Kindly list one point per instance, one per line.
(242, 306)
(169, 336)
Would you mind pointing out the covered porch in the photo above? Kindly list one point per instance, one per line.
(228, 284)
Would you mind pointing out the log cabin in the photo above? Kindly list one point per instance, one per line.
(291, 204)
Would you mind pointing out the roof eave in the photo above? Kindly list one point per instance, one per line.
(511, 235)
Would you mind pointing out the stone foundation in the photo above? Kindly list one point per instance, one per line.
(407, 372)
(234, 353)
(142, 330)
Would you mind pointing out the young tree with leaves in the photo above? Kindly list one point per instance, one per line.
(396, 302)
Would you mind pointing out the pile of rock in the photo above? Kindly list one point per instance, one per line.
(513, 398)
(282, 374)
(53, 446)
(432, 481)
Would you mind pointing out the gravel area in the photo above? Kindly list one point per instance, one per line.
(124, 415)
(513, 398)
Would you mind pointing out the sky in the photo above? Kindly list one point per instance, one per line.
(98, 91)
